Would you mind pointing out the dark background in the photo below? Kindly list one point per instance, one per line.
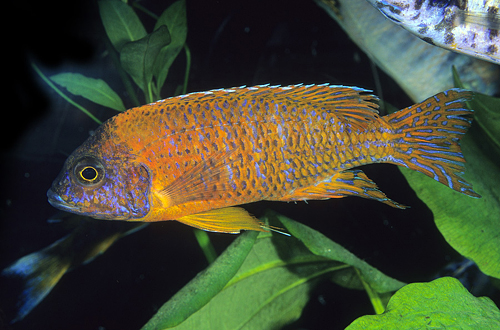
(233, 43)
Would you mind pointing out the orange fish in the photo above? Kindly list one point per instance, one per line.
(192, 158)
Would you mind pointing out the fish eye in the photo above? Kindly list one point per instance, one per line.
(89, 171)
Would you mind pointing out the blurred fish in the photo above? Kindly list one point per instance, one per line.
(419, 68)
(191, 158)
(40, 271)
(466, 26)
(469, 274)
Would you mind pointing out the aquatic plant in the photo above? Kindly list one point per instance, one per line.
(264, 280)
(140, 57)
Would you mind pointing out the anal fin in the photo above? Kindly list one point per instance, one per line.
(342, 184)
(224, 220)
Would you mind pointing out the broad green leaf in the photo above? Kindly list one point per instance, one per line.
(138, 57)
(470, 225)
(441, 304)
(201, 289)
(95, 90)
(487, 115)
(273, 284)
(121, 23)
(174, 17)
(487, 112)
(321, 245)
(270, 289)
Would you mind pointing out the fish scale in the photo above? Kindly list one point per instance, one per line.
(192, 158)
(248, 125)
(467, 26)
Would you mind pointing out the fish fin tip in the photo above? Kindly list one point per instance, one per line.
(427, 137)
(275, 229)
(342, 184)
(353, 105)
(224, 220)
(38, 272)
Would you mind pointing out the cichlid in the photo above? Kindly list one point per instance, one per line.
(465, 26)
(192, 158)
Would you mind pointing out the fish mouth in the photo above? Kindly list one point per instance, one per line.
(56, 201)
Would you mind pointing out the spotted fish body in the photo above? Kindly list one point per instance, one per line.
(466, 26)
(192, 158)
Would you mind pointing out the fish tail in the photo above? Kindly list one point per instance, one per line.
(427, 138)
(38, 272)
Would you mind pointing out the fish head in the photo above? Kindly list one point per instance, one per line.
(101, 181)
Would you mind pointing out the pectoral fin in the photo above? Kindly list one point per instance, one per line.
(206, 180)
(345, 183)
(224, 220)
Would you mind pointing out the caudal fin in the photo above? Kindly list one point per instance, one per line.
(39, 272)
(36, 274)
(428, 135)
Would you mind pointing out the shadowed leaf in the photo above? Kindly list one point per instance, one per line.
(321, 245)
(487, 112)
(174, 17)
(138, 57)
(470, 225)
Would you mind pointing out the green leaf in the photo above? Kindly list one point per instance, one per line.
(322, 246)
(471, 226)
(200, 290)
(121, 23)
(95, 90)
(273, 284)
(441, 304)
(174, 17)
(487, 112)
(138, 57)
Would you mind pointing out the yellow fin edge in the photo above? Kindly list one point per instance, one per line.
(227, 220)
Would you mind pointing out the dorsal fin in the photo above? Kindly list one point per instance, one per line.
(352, 105)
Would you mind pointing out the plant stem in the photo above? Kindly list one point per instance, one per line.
(188, 68)
(58, 91)
(148, 93)
(205, 244)
(144, 10)
(377, 304)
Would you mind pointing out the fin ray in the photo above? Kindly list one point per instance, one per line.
(428, 135)
(342, 184)
(204, 181)
(352, 105)
(224, 220)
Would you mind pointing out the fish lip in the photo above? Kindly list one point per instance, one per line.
(56, 201)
